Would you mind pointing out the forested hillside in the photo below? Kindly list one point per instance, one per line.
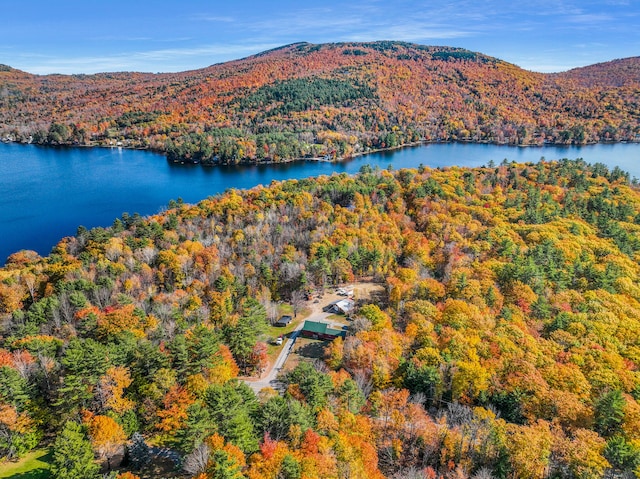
(333, 100)
(507, 343)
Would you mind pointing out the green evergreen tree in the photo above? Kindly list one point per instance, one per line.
(609, 412)
(198, 426)
(224, 466)
(242, 337)
(13, 388)
(230, 411)
(290, 468)
(621, 453)
(278, 414)
(72, 454)
(312, 383)
(84, 362)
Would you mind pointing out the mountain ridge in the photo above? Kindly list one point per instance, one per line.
(613, 62)
(336, 99)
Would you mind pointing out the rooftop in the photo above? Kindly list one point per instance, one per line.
(321, 328)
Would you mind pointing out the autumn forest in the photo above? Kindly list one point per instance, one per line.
(503, 340)
(505, 344)
(330, 100)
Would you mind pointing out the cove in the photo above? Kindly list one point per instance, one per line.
(46, 193)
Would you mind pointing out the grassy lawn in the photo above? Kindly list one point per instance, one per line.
(338, 318)
(34, 465)
(273, 332)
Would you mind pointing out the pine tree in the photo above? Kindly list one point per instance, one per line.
(72, 454)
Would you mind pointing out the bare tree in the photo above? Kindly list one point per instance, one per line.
(272, 312)
(29, 280)
(364, 382)
(147, 254)
(458, 414)
(263, 295)
(55, 324)
(418, 398)
(102, 296)
(359, 324)
(46, 366)
(66, 309)
(23, 364)
(297, 301)
(130, 262)
(484, 473)
(320, 366)
(196, 462)
(163, 311)
(169, 328)
(410, 473)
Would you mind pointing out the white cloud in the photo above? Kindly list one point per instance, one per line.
(511, 29)
(589, 19)
(409, 33)
(213, 18)
(328, 25)
(546, 67)
(170, 60)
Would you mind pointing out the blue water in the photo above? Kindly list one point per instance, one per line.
(46, 193)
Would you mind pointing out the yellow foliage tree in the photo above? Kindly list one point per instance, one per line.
(112, 386)
(529, 449)
(106, 435)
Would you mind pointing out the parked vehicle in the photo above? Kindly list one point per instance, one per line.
(344, 292)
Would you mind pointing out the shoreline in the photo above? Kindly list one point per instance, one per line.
(161, 180)
(338, 159)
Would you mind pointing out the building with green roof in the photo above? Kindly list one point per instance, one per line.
(320, 330)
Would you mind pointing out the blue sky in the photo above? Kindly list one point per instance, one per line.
(44, 36)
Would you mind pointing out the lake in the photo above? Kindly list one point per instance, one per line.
(46, 193)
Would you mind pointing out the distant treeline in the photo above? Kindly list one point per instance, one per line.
(332, 100)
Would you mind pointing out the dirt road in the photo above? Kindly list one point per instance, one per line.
(269, 379)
